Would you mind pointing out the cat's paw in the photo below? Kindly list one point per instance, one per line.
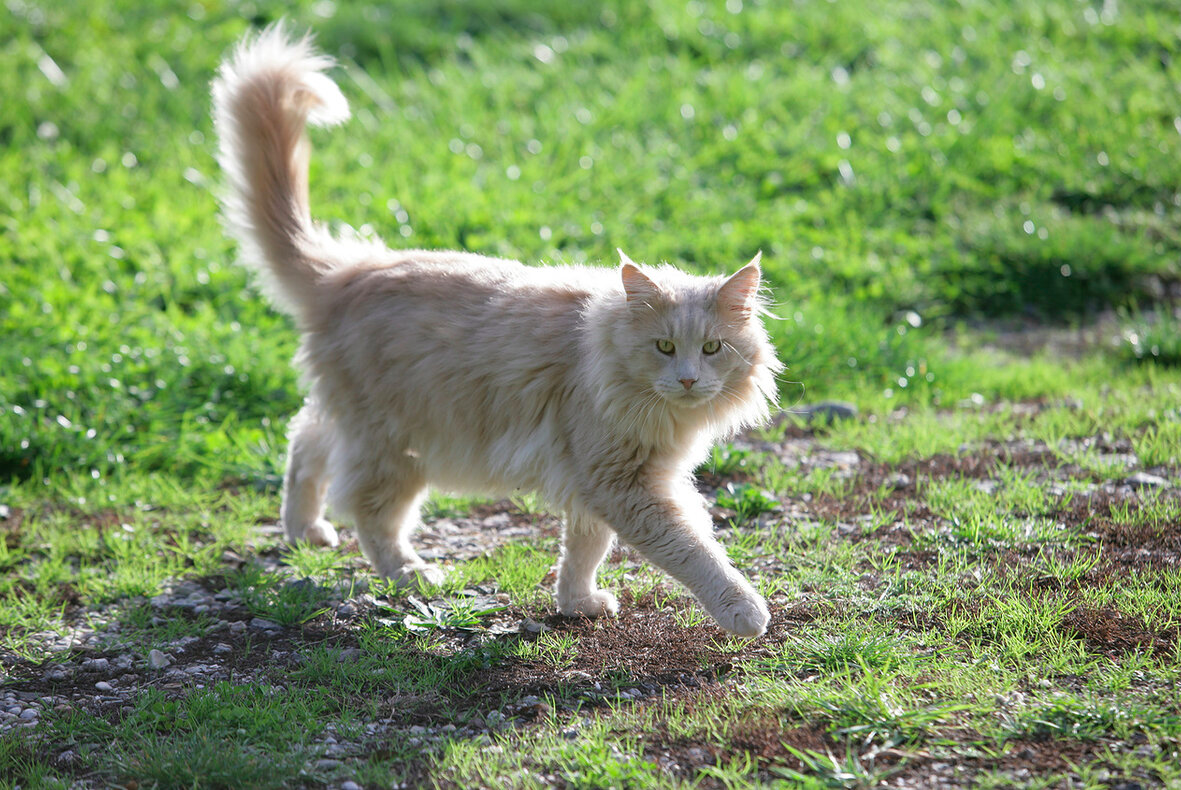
(322, 533)
(596, 604)
(417, 575)
(746, 615)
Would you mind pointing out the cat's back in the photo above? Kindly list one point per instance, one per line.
(444, 314)
(457, 284)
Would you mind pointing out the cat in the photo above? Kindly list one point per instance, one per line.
(599, 388)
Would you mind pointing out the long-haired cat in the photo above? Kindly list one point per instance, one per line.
(599, 388)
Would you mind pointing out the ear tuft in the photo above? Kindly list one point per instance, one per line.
(738, 296)
(638, 286)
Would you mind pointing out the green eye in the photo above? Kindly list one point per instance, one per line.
(665, 346)
(712, 347)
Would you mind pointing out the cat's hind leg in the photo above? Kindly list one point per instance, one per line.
(384, 497)
(585, 543)
(305, 483)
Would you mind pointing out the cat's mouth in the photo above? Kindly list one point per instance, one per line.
(690, 398)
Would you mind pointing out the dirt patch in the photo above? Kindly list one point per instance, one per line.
(1104, 630)
(761, 735)
(1113, 633)
(1018, 761)
(649, 647)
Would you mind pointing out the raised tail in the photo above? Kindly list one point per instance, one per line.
(264, 96)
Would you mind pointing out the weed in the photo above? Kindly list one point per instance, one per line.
(746, 500)
(828, 771)
(270, 596)
(452, 613)
(557, 650)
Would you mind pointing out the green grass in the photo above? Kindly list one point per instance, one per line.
(922, 179)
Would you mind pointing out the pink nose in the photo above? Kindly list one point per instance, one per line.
(688, 383)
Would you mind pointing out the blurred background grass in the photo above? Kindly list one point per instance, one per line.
(918, 175)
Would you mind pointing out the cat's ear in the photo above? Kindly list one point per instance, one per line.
(738, 296)
(638, 286)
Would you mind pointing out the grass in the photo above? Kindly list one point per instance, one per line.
(969, 222)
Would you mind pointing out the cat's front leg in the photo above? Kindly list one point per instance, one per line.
(585, 543)
(674, 532)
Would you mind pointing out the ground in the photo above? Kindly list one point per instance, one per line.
(1004, 613)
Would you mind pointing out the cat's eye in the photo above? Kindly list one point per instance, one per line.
(665, 346)
(712, 346)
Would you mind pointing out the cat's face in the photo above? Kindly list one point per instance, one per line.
(691, 340)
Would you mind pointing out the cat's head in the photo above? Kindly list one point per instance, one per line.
(697, 343)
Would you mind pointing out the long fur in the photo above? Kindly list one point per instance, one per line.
(483, 375)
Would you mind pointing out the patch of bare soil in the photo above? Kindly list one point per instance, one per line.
(1114, 633)
(762, 736)
(648, 647)
(1018, 761)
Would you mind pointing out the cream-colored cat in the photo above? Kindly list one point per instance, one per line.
(601, 389)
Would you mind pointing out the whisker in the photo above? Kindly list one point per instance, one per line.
(738, 353)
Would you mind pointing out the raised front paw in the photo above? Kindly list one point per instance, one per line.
(595, 604)
(745, 614)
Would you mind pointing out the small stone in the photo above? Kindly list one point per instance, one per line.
(349, 784)
(346, 609)
(825, 412)
(327, 764)
(570, 733)
(349, 654)
(103, 685)
(1145, 480)
(221, 648)
(56, 674)
(4, 512)
(533, 627)
(237, 627)
(987, 487)
(30, 713)
(263, 624)
(898, 481)
(158, 660)
(96, 664)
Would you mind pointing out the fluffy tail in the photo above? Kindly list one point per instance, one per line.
(264, 96)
